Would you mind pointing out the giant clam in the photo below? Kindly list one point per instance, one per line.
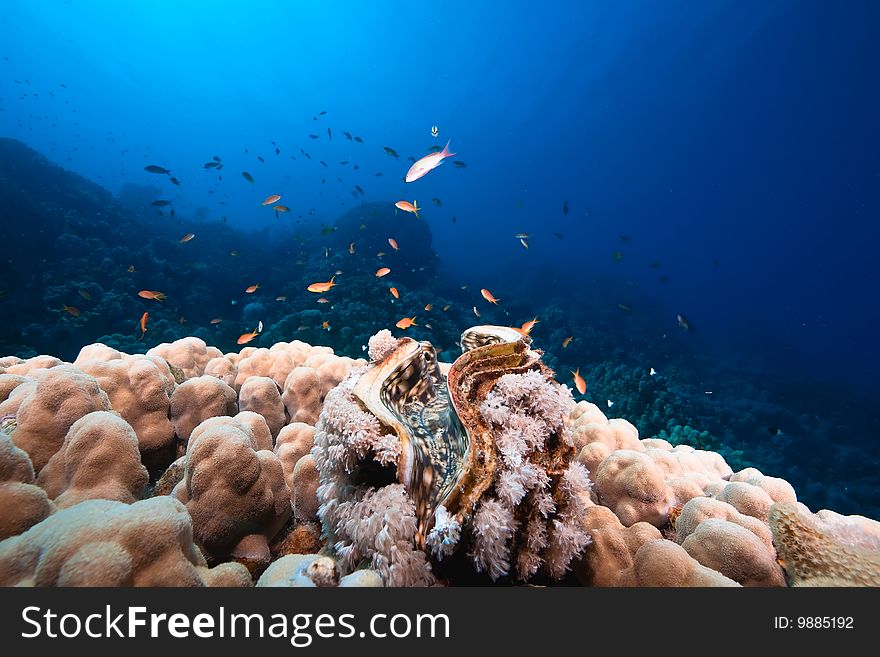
(448, 457)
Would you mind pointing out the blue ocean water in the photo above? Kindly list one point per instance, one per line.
(717, 161)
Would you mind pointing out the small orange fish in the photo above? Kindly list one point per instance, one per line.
(351, 248)
(406, 322)
(253, 288)
(325, 325)
(144, 319)
(281, 208)
(447, 307)
(406, 206)
(70, 310)
(186, 238)
(322, 287)
(150, 294)
(428, 307)
(394, 292)
(274, 198)
(526, 328)
(85, 295)
(488, 296)
(382, 272)
(579, 382)
(323, 300)
(130, 269)
(216, 321)
(393, 243)
(567, 341)
(244, 338)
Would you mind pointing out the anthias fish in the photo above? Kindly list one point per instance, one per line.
(427, 163)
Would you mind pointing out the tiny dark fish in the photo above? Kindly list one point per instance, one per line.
(247, 176)
(359, 140)
(175, 181)
(343, 162)
(330, 134)
(683, 322)
(347, 135)
(454, 220)
(356, 167)
(213, 165)
(260, 158)
(161, 203)
(323, 162)
(434, 149)
(459, 164)
(378, 174)
(358, 188)
(617, 255)
(307, 155)
(565, 207)
(216, 158)
(152, 168)
(774, 431)
(411, 158)
(625, 238)
(655, 264)
(172, 212)
(328, 230)
(437, 202)
(277, 151)
(322, 112)
(390, 151)
(314, 136)
(559, 235)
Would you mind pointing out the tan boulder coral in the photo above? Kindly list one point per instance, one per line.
(262, 395)
(140, 388)
(9, 382)
(641, 480)
(46, 411)
(98, 460)
(222, 368)
(700, 509)
(24, 504)
(190, 355)
(302, 395)
(612, 548)
(197, 399)
(31, 366)
(304, 492)
(826, 548)
(293, 442)
(98, 351)
(108, 543)
(664, 563)
(233, 488)
(734, 552)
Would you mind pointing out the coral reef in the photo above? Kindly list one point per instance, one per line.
(298, 467)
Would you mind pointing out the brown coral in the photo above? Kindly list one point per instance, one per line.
(24, 504)
(190, 355)
(107, 543)
(262, 395)
(664, 563)
(99, 459)
(59, 397)
(233, 487)
(826, 549)
(197, 399)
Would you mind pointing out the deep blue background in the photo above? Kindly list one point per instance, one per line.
(735, 143)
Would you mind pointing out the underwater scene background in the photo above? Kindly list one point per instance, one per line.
(688, 191)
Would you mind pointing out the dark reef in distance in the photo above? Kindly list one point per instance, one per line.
(69, 242)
